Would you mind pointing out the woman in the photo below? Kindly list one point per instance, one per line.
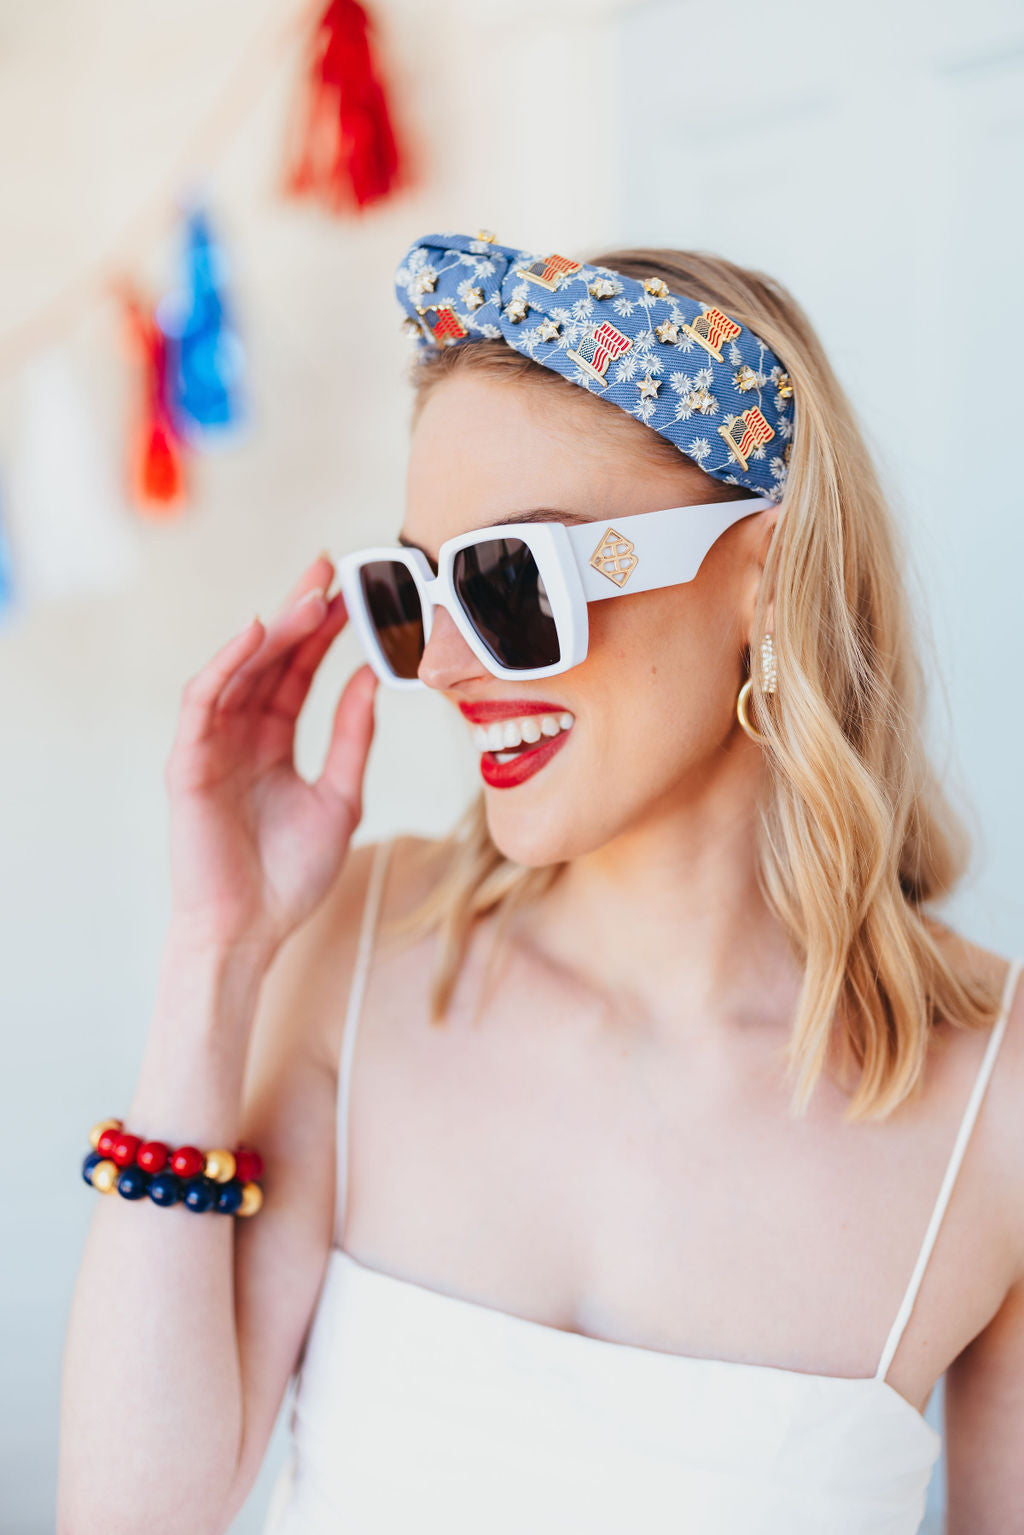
(672, 1169)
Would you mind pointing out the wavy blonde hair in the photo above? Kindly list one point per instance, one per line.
(855, 834)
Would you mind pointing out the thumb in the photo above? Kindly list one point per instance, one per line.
(351, 735)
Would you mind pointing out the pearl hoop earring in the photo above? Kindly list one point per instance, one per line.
(770, 685)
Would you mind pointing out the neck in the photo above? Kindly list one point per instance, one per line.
(668, 914)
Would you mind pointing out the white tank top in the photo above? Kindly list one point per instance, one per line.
(417, 1411)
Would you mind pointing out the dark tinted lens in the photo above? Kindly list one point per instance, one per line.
(501, 590)
(397, 615)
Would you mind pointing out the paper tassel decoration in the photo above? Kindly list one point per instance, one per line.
(156, 464)
(68, 523)
(346, 152)
(204, 359)
(7, 598)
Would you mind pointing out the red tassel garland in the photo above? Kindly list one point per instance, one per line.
(156, 457)
(347, 151)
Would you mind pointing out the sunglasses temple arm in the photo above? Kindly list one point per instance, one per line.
(653, 549)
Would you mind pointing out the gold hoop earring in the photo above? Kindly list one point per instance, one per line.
(770, 685)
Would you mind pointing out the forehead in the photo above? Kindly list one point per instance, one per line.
(486, 447)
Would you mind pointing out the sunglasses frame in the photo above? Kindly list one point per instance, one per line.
(665, 548)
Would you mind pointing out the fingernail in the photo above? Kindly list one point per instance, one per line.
(325, 554)
(316, 591)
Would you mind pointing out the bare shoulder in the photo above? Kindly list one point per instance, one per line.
(1001, 1127)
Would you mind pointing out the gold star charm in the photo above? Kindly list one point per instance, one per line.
(649, 387)
(668, 330)
(425, 280)
(412, 327)
(601, 287)
(745, 379)
(474, 298)
(548, 328)
(783, 385)
(656, 287)
(702, 400)
(516, 309)
(486, 234)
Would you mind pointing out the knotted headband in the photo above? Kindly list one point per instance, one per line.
(683, 368)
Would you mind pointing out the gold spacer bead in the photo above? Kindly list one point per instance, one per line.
(220, 1165)
(99, 1127)
(252, 1198)
(105, 1175)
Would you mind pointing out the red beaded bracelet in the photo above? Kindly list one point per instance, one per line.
(220, 1179)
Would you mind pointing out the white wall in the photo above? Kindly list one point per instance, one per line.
(864, 155)
(869, 157)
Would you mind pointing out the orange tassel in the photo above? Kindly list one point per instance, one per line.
(156, 459)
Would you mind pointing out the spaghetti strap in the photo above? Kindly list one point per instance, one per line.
(364, 952)
(953, 1166)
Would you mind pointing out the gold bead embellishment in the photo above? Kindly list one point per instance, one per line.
(667, 331)
(220, 1165)
(252, 1199)
(745, 379)
(649, 387)
(99, 1127)
(656, 286)
(769, 675)
(474, 298)
(105, 1175)
(516, 309)
(548, 328)
(601, 287)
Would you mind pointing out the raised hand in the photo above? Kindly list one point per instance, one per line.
(254, 846)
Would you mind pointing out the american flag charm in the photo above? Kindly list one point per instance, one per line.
(443, 323)
(712, 328)
(548, 271)
(600, 346)
(745, 433)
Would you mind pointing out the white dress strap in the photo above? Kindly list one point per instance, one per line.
(952, 1168)
(364, 953)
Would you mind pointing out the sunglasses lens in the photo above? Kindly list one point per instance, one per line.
(396, 613)
(500, 588)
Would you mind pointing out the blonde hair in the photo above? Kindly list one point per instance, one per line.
(855, 834)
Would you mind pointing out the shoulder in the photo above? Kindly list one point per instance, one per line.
(1000, 1124)
(314, 969)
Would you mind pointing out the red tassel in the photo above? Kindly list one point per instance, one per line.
(156, 454)
(347, 150)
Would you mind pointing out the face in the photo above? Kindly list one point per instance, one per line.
(637, 730)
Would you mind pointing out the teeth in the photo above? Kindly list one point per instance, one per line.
(501, 737)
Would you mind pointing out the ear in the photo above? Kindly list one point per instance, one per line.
(762, 529)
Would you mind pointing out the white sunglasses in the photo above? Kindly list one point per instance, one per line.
(518, 591)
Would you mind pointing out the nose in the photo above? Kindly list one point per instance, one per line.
(447, 660)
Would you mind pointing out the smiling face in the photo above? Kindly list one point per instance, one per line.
(646, 723)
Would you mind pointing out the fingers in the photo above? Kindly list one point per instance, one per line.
(286, 686)
(318, 575)
(351, 735)
(297, 621)
(200, 694)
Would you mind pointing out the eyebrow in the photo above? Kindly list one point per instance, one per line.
(535, 514)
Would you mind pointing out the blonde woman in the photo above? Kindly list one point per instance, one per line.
(666, 1150)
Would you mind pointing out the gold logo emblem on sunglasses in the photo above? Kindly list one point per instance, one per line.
(614, 557)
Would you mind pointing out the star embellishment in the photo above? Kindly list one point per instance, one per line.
(516, 309)
(548, 328)
(474, 298)
(656, 286)
(649, 387)
(601, 287)
(411, 327)
(668, 330)
(426, 280)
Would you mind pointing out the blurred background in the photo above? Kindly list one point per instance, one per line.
(201, 385)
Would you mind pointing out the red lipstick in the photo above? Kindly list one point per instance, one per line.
(486, 710)
(529, 758)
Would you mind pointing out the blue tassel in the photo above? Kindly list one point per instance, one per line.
(204, 354)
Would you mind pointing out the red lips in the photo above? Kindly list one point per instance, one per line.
(487, 710)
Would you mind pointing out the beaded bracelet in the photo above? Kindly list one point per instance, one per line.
(223, 1182)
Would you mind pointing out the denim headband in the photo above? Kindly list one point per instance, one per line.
(684, 368)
